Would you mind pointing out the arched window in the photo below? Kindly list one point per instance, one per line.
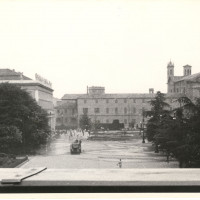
(188, 72)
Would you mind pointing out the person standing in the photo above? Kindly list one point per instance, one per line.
(120, 163)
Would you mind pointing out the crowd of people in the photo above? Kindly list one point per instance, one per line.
(73, 133)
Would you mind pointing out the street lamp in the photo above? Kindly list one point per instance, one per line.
(142, 126)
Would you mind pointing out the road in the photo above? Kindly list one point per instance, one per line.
(99, 154)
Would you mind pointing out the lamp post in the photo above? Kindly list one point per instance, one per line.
(143, 139)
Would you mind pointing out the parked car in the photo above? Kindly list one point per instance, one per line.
(75, 147)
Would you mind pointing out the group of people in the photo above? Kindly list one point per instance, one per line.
(74, 133)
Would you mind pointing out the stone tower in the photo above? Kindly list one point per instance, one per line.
(187, 70)
(170, 77)
(170, 70)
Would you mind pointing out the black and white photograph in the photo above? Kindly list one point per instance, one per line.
(99, 96)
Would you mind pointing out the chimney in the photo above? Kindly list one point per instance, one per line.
(151, 90)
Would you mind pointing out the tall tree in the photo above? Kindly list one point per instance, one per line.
(85, 122)
(159, 108)
(19, 109)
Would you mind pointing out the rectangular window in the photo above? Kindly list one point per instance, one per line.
(73, 120)
(116, 110)
(85, 101)
(125, 100)
(125, 121)
(143, 100)
(58, 120)
(107, 100)
(125, 110)
(96, 100)
(133, 120)
(134, 100)
(96, 110)
(107, 121)
(116, 101)
(134, 110)
(85, 110)
(107, 110)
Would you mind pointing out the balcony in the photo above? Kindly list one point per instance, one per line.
(131, 179)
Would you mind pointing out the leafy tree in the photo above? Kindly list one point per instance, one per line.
(178, 135)
(158, 111)
(85, 122)
(10, 138)
(19, 109)
(96, 125)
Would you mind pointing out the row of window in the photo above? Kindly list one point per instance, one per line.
(66, 120)
(177, 90)
(62, 111)
(110, 121)
(97, 110)
(115, 100)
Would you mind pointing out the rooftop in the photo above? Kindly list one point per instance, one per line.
(192, 77)
(117, 96)
(8, 74)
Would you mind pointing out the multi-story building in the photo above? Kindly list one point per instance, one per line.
(187, 84)
(103, 108)
(66, 113)
(107, 108)
(40, 89)
(127, 109)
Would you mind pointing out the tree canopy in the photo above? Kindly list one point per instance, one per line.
(176, 132)
(18, 109)
(85, 122)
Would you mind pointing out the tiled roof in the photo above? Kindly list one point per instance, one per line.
(7, 74)
(70, 96)
(176, 78)
(190, 77)
(111, 96)
(119, 96)
(66, 105)
(174, 95)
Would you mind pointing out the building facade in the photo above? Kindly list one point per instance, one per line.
(40, 89)
(188, 84)
(66, 113)
(127, 109)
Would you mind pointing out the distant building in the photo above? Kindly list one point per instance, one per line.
(125, 108)
(188, 84)
(40, 89)
(103, 108)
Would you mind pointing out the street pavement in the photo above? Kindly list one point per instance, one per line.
(99, 154)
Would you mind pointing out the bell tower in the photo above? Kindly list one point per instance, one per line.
(170, 70)
(170, 77)
(187, 70)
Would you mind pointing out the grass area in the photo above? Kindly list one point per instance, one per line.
(11, 162)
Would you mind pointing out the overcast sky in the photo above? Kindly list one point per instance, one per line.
(124, 45)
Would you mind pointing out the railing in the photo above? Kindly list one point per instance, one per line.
(99, 177)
